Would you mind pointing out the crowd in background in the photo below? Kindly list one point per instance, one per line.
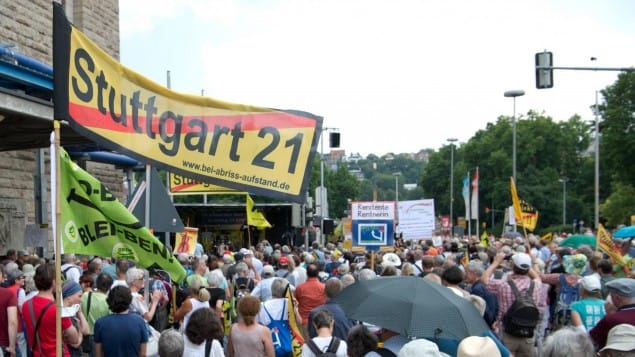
(231, 297)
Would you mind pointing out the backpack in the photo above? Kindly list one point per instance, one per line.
(522, 317)
(64, 277)
(331, 350)
(280, 333)
(243, 289)
(567, 295)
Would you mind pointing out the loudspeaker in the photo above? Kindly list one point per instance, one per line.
(334, 139)
(328, 226)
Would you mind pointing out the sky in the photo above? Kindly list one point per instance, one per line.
(392, 76)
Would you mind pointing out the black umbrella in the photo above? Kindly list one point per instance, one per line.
(412, 307)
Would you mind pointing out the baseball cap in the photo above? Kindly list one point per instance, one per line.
(591, 283)
(245, 251)
(522, 260)
(621, 338)
(622, 287)
(284, 260)
(268, 271)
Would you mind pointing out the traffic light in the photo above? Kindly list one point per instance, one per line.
(544, 76)
(334, 140)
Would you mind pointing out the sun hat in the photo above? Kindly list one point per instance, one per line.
(28, 270)
(591, 283)
(70, 287)
(391, 259)
(420, 347)
(474, 346)
(621, 338)
(574, 264)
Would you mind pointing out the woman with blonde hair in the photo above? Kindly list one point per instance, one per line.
(198, 299)
(247, 338)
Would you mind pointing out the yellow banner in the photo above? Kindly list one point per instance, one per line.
(260, 150)
(605, 243)
(186, 241)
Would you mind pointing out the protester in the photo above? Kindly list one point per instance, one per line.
(72, 297)
(589, 310)
(360, 341)
(16, 281)
(566, 285)
(620, 342)
(216, 294)
(525, 279)
(203, 327)
(200, 268)
(135, 278)
(198, 299)
(70, 269)
(95, 306)
(121, 271)
(248, 338)
(309, 295)
(43, 341)
(121, 333)
(171, 344)
(622, 293)
(568, 342)
(8, 320)
(262, 290)
(341, 323)
(324, 340)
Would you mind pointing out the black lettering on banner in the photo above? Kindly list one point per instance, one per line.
(259, 160)
(144, 244)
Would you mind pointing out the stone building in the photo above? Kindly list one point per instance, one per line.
(26, 30)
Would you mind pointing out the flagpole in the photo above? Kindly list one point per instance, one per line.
(469, 211)
(58, 243)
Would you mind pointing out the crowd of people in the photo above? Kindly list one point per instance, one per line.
(537, 297)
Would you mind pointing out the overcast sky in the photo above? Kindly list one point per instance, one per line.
(392, 75)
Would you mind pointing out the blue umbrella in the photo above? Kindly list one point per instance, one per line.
(625, 232)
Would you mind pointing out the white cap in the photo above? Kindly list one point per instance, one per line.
(245, 251)
(522, 260)
(591, 283)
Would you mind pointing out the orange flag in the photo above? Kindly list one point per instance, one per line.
(606, 244)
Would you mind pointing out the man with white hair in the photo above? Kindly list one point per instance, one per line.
(70, 269)
(622, 293)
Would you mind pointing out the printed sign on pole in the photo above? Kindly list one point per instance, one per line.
(373, 224)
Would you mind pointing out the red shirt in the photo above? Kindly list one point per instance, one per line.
(309, 295)
(46, 330)
(624, 315)
(7, 299)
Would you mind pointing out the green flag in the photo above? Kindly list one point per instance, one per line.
(94, 222)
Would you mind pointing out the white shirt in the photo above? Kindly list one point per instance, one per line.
(74, 273)
(274, 307)
(299, 273)
(192, 350)
(323, 343)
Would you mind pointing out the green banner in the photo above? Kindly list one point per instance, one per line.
(94, 222)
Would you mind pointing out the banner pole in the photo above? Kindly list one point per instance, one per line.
(58, 243)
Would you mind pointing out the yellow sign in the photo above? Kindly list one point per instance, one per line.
(263, 151)
(178, 184)
(186, 241)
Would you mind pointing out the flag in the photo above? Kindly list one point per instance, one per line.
(254, 217)
(466, 195)
(485, 239)
(296, 337)
(606, 244)
(515, 201)
(94, 222)
(547, 237)
(525, 214)
(185, 241)
(529, 217)
(474, 207)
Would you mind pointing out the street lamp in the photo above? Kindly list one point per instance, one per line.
(596, 113)
(513, 94)
(564, 199)
(397, 174)
(451, 141)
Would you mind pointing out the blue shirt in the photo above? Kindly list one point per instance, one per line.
(121, 334)
(341, 323)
